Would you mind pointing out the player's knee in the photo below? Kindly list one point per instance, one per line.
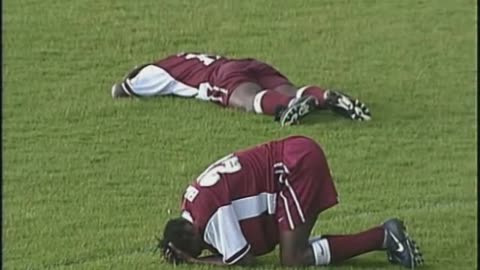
(245, 102)
(241, 104)
(243, 96)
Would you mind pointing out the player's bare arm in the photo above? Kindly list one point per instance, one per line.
(247, 84)
(183, 244)
(247, 260)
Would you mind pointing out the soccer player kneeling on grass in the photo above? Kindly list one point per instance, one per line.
(241, 83)
(246, 203)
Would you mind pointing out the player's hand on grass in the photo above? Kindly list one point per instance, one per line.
(171, 256)
(176, 256)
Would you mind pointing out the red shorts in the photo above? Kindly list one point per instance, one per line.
(233, 73)
(307, 187)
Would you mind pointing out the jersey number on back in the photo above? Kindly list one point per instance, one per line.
(228, 164)
(204, 58)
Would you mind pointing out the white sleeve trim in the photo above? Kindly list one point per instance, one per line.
(237, 257)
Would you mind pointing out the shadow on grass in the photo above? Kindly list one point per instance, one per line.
(365, 263)
(323, 116)
(357, 263)
(370, 263)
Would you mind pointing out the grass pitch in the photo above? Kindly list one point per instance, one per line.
(89, 181)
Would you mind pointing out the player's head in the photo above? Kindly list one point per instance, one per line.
(182, 235)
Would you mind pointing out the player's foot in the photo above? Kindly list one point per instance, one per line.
(297, 109)
(401, 249)
(346, 106)
(118, 91)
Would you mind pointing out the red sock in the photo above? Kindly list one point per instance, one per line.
(343, 247)
(268, 101)
(315, 91)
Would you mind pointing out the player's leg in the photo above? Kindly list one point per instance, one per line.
(342, 247)
(287, 89)
(308, 190)
(297, 250)
(391, 237)
(286, 109)
(269, 78)
(336, 101)
(243, 97)
(244, 91)
(314, 91)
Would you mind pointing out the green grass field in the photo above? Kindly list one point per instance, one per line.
(89, 181)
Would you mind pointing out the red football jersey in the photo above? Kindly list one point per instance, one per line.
(232, 203)
(191, 68)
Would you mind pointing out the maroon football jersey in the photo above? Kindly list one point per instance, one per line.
(191, 68)
(232, 203)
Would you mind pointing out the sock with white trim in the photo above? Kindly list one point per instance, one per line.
(268, 102)
(317, 92)
(321, 250)
(343, 247)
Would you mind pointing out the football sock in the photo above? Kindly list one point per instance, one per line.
(343, 247)
(321, 250)
(269, 101)
(315, 91)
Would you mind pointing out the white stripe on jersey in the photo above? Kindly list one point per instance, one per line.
(223, 230)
